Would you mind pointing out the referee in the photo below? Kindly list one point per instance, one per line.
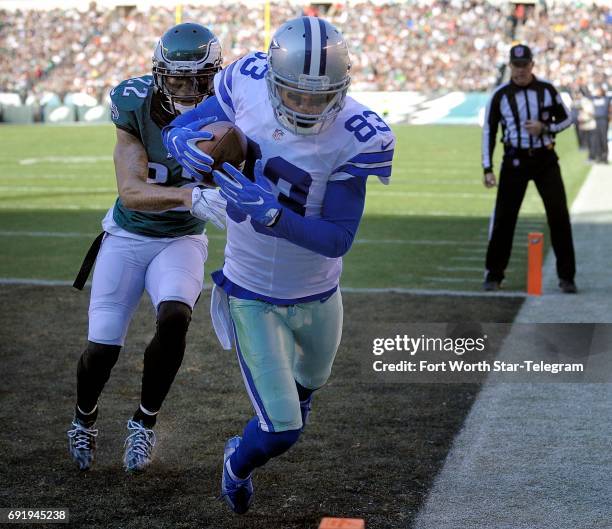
(531, 112)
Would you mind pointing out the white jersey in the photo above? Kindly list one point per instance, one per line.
(358, 143)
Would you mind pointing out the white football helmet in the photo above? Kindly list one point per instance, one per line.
(308, 74)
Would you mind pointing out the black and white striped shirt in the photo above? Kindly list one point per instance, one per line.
(512, 105)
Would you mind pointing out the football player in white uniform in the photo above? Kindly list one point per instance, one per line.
(151, 240)
(293, 212)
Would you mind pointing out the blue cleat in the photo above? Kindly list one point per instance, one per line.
(82, 444)
(138, 447)
(236, 492)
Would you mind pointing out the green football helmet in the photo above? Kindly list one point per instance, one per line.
(185, 60)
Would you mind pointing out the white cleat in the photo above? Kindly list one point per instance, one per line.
(138, 447)
(82, 444)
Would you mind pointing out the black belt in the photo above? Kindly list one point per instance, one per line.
(513, 151)
(88, 262)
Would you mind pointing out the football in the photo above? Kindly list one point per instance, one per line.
(229, 144)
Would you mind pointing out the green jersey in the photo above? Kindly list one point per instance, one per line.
(136, 109)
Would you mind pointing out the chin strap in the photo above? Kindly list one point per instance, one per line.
(181, 109)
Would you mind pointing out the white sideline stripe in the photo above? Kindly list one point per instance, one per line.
(433, 292)
(459, 268)
(348, 290)
(445, 279)
(479, 269)
(538, 454)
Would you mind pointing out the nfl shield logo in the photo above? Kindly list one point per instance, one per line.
(278, 134)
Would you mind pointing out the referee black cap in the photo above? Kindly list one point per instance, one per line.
(520, 55)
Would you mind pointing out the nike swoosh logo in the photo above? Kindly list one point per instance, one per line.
(258, 203)
(383, 146)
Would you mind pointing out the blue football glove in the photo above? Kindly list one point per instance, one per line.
(180, 144)
(255, 199)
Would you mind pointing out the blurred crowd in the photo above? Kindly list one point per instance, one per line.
(447, 45)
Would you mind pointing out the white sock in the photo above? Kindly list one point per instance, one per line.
(147, 412)
(87, 412)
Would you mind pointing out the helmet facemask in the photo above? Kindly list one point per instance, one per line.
(309, 106)
(183, 90)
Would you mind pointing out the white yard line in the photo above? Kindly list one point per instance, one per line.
(68, 234)
(66, 160)
(429, 194)
(348, 290)
(479, 259)
(459, 268)
(415, 242)
(12, 191)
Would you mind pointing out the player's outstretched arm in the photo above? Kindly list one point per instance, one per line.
(131, 169)
(333, 234)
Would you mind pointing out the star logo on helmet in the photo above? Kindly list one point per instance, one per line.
(278, 134)
(274, 45)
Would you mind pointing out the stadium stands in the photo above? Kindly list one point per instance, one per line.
(426, 47)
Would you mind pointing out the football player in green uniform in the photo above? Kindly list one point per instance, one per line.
(153, 239)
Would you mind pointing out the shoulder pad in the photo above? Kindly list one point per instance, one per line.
(229, 82)
(253, 65)
(132, 93)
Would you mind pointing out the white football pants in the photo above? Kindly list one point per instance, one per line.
(168, 270)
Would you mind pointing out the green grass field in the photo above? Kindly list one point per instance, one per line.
(428, 229)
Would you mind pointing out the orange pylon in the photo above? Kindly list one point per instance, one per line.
(535, 252)
(342, 523)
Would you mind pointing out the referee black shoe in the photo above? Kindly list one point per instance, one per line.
(491, 285)
(568, 287)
